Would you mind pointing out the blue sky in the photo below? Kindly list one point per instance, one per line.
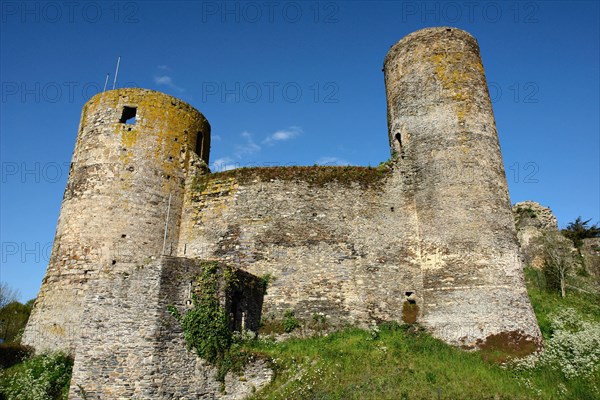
(286, 82)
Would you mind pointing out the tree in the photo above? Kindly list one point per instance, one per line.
(558, 260)
(7, 294)
(579, 230)
(13, 318)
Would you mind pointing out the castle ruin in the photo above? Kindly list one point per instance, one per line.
(433, 228)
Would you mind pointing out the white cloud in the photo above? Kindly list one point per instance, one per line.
(332, 161)
(223, 164)
(246, 148)
(163, 80)
(283, 134)
(166, 80)
(163, 67)
(234, 161)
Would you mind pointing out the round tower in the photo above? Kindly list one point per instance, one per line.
(442, 129)
(123, 201)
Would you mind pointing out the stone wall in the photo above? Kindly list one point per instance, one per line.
(591, 257)
(342, 249)
(529, 213)
(124, 180)
(132, 348)
(532, 221)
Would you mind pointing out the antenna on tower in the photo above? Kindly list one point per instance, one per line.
(116, 72)
(106, 81)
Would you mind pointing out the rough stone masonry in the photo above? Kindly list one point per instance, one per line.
(432, 229)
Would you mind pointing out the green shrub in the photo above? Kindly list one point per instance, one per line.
(44, 377)
(574, 347)
(13, 353)
(290, 322)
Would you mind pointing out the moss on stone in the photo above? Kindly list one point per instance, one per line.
(365, 177)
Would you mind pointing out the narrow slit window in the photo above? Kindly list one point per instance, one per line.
(199, 143)
(128, 115)
(399, 140)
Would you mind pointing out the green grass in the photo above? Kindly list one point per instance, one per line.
(399, 363)
(404, 362)
(391, 362)
(545, 303)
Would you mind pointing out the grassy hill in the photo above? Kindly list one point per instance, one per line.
(395, 361)
(403, 362)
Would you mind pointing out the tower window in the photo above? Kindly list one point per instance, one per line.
(399, 140)
(199, 143)
(128, 115)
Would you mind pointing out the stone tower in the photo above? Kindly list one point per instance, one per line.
(429, 237)
(442, 128)
(122, 205)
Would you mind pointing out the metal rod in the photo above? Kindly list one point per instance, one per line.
(106, 82)
(166, 225)
(116, 72)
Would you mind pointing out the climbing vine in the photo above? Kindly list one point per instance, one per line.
(206, 326)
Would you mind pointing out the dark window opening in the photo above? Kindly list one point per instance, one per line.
(114, 262)
(128, 115)
(199, 143)
(410, 298)
(399, 140)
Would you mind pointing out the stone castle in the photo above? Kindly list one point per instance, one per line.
(432, 228)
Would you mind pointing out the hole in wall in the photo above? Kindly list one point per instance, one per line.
(114, 262)
(392, 209)
(398, 139)
(123, 235)
(128, 115)
(448, 30)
